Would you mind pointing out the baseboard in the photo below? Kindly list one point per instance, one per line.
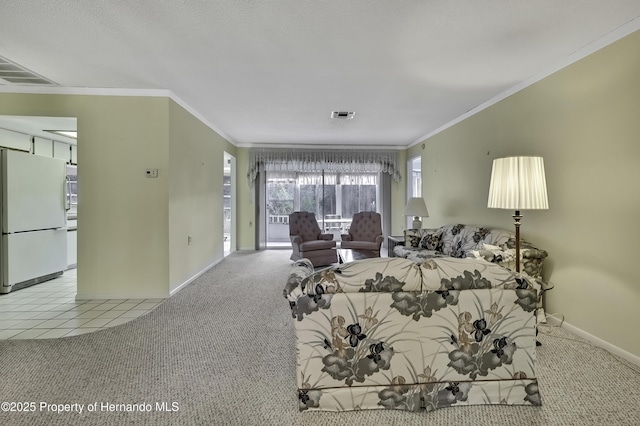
(96, 296)
(120, 296)
(634, 359)
(190, 280)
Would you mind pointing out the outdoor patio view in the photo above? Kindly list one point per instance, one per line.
(333, 197)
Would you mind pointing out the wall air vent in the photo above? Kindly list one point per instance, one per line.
(16, 74)
(344, 115)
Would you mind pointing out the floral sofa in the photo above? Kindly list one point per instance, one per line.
(389, 333)
(494, 245)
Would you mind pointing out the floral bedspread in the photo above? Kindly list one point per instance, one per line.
(392, 333)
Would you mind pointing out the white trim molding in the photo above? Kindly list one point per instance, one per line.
(634, 359)
(579, 54)
(107, 296)
(193, 278)
(89, 91)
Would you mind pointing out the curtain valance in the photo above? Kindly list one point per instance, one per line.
(345, 161)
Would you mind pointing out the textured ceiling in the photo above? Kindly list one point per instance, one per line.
(271, 71)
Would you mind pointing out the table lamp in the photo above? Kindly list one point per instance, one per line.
(417, 208)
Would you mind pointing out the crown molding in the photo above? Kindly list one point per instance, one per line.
(319, 146)
(206, 122)
(607, 39)
(92, 91)
(98, 91)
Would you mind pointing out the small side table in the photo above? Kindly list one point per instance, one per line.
(393, 241)
(349, 255)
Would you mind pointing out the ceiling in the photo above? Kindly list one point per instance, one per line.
(38, 126)
(272, 71)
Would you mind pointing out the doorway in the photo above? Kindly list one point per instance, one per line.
(229, 204)
(54, 137)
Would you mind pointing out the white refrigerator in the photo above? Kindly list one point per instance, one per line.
(33, 204)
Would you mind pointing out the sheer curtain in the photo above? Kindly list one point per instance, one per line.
(330, 178)
(325, 169)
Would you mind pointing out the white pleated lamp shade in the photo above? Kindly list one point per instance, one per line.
(518, 183)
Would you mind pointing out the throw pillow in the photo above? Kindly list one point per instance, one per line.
(447, 235)
(412, 237)
(497, 237)
(465, 240)
(430, 241)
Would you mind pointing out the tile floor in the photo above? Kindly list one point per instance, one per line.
(49, 310)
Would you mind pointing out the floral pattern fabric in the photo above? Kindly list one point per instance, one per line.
(493, 245)
(392, 333)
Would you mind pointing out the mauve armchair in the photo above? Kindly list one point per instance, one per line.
(308, 241)
(365, 232)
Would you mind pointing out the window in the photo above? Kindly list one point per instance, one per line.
(415, 177)
(280, 198)
(414, 182)
(333, 197)
(358, 197)
(331, 191)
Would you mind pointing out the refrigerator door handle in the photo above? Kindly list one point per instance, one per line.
(67, 197)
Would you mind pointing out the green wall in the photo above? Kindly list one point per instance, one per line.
(246, 214)
(125, 235)
(196, 169)
(584, 121)
(399, 197)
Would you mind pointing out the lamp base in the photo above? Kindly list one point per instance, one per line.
(417, 223)
(516, 218)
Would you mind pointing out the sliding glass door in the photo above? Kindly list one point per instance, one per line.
(333, 197)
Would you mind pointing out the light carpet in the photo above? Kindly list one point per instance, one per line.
(222, 352)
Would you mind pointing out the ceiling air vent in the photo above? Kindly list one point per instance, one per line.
(344, 115)
(16, 74)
